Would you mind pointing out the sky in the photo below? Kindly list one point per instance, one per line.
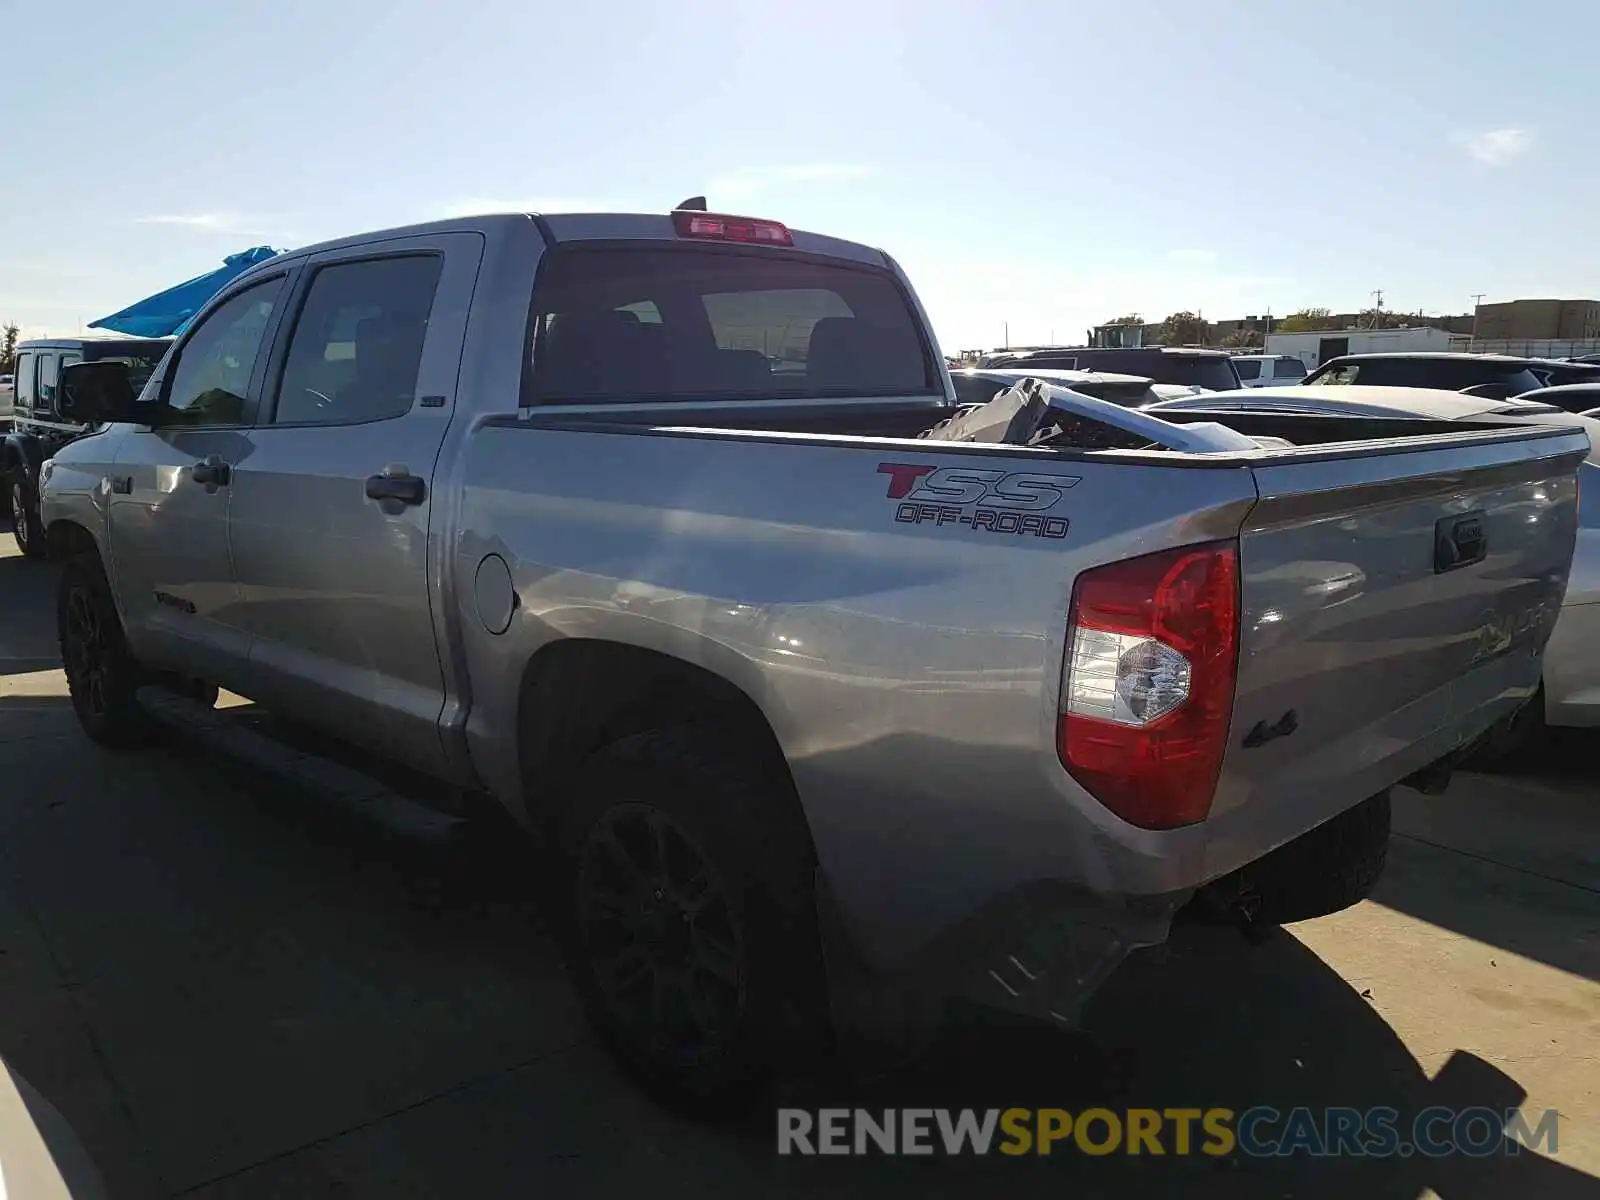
(1035, 167)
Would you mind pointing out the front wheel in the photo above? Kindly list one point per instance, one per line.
(102, 676)
(23, 503)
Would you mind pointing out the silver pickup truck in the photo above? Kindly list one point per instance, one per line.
(626, 522)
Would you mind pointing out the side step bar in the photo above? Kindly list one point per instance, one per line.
(355, 793)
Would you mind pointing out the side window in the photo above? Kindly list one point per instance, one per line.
(1344, 374)
(211, 378)
(24, 397)
(44, 396)
(1289, 368)
(1248, 368)
(357, 347)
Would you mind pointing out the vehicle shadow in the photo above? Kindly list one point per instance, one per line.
(428, 926)
(27, 600)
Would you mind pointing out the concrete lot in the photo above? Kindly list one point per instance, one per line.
(232, 992)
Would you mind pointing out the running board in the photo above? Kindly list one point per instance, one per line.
(350, 790)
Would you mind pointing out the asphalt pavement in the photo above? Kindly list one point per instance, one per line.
(231, 991)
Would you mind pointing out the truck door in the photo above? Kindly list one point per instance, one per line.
(169, 489)
(331, 509)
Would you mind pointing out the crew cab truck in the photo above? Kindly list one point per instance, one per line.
(625, 522)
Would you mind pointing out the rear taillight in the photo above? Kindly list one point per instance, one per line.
(1147, 687)
(720, 227)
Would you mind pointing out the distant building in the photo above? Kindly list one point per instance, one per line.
(1525, 320)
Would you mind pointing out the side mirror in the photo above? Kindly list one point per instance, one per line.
(92, 392)
(1488, 391)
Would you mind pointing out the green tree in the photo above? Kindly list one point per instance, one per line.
(1304, 320)
(9, 333)
(1128, 319)
(1183, 329)
(1382, 318)
(1242, 339)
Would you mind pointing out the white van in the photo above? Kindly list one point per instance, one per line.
(1268, 370)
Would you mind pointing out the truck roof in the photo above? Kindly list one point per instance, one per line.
(89, 339)
(580, 227)
(1445, 355)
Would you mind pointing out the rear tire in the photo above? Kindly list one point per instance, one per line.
(1323, 871)
(690, 915)
(23, 504)
(102, 676)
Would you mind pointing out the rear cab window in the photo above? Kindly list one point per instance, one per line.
(1287, 368)
(642, 323)
(1248, 368)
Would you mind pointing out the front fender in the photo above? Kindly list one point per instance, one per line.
(74, 497)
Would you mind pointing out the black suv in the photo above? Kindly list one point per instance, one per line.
(1496, 376)
(37, 428)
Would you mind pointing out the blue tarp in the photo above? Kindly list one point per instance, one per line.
(166, 313)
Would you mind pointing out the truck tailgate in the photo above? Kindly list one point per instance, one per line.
(1393, 604)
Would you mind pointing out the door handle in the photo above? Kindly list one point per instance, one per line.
(398, 487)
(121, 485)
(212, 472)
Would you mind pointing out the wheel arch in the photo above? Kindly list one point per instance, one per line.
(580, 694)
(66, 537)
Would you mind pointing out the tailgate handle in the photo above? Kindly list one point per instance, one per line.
(1459, 542)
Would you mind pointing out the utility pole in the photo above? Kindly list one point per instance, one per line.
(1377, 307)
(1477, 299)
(1007, 326)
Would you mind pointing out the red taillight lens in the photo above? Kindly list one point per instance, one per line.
(723, 228)
(1147, 689)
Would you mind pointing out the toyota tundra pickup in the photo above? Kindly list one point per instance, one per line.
(628, 522)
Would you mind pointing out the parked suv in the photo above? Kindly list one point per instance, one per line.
(38, 429)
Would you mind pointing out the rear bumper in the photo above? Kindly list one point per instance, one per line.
(1041, 950)
(1032, 899)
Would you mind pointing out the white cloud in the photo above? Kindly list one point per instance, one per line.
(471, 206)
(1496, 147)
(748, 182)
(232, 224)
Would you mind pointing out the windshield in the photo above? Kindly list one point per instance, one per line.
(140, 367)
(699, 323)
(141, 360)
